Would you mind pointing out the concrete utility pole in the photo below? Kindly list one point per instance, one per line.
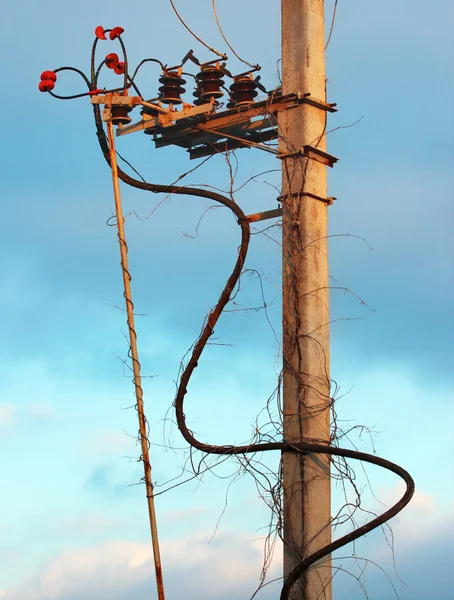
(306, 401)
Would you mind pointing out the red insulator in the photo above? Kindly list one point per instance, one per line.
(209, 82)
(46, 85)
(112, 60)
(120, 114)
(116, 32)
(48, 75)
(100, 33)
(120, 68)
(243, 91)
(171, 89)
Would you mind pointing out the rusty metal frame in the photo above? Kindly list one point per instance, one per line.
(203, 132)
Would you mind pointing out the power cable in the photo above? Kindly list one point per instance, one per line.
(332, 25)
(215, 12)
(223, 56)
(206, 333)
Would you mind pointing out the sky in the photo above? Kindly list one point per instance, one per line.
(74, 522)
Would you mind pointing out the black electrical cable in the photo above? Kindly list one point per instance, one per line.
(212, 318)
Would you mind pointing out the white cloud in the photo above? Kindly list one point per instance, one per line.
(6, 414)
(40, 412)
(34, 412)
(426, 518)
(105, 441)
(227, 568)
(413, 555)
(89, 524)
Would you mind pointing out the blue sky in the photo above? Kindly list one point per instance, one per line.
(74, 525)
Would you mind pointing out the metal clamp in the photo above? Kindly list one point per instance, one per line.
(328, 201)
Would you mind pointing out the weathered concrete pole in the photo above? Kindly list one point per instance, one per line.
(306, 391)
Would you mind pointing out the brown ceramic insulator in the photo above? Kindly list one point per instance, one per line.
(243, 91)
(209, 82)
(198, 97)
(120, 115)
(171, 88)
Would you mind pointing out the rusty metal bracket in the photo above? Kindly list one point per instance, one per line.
(328, 201)
(116, 100)
(203, 131)
(312, 153)
(267, 214)
(307, 98)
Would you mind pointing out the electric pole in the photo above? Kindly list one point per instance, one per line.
(306, 379)
(207, 128)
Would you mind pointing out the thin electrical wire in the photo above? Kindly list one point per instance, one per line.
(215, 12)
(223, 56)
(332, 25)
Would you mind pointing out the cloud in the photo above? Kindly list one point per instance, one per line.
(34, 413)
(91, 524)
(105, 479)
(40, 412)
(418, 565)
(105, 441)
(229, 567)
(226, 569)
(6, 414)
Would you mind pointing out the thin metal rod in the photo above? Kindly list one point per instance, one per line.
(135, 363)
(234, 137)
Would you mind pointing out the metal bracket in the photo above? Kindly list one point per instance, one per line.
(313, 153)
(202, 131)
(328, 201)
(167, 118)
(267, 214)
(116, 100)
(307, 98)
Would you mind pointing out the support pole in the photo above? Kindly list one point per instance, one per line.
(135, 363)
(306, 380)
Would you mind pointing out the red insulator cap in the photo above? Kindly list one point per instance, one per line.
(120, 68)
(46, 85)
(48, 75)
(115, 32)
(112, 60)
(100, 33)
(95, 92)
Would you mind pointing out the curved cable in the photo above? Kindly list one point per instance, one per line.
(215, 12)
(142, 62)
(284, 446)
(193, 34)
(332, 25)
(95, 74)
